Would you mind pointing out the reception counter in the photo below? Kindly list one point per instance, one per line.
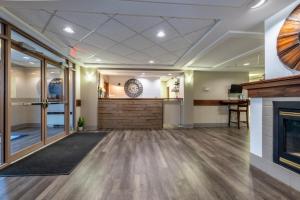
(140, 113)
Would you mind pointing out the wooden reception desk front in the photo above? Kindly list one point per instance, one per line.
(125, 113)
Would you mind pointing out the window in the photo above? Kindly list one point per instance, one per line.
(31, 45)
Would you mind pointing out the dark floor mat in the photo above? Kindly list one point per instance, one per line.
(59, 158)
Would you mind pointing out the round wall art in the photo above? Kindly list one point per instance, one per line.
(288, 42)
(133, 88)
(55, 89)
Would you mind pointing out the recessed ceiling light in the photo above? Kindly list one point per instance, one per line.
(169, 74)
(26, 57)
(31, 63)
(68, 29)
(143, 73)
(52, 72)
(161, 34)
(257, 3)
(98, 60)
(151, 61)
(246, 64)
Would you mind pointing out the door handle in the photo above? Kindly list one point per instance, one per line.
(45, 103)
(26, 103)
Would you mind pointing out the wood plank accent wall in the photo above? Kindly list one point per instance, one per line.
(279, 87)
(130, 113)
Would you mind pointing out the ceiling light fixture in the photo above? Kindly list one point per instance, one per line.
(161, 34)
(257, 3)
(68, 29)
(143, 73)
(98, 60)
(151, 61)
(246, 64)
(31, 63)
(169, 74)
(26, 57)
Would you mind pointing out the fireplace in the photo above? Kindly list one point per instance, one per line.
(286, 140)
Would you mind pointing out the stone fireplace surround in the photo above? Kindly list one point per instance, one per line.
(263, 94)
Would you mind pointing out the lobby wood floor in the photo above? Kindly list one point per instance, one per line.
(183, 164)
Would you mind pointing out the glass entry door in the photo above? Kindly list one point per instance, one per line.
(26, 101)
(55, 87)
(37, 103)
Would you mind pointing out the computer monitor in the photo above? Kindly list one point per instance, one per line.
(236, 89)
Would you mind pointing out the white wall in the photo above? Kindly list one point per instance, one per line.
(151, 86)
(89, 96)
(274, 67)
(188, 102)
(214, 86)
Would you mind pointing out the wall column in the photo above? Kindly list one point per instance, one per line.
(89, 96)
(188, 103)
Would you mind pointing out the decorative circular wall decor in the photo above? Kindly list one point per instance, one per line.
(288, 42)
(133, 88)
(55, 88)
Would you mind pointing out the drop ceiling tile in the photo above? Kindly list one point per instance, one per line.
(90, 21)
(195, 36)
(36, 18)
(176, 44)
(139, 23)
(60, 40)
(121, 50)
(99, 41)
(154, 51)
(141, 58)
(185, 26)
(83, 55)
(138, 43)
(230, 3)
(107, 57)
(169, 31)
(180, 52)
(115, 31)
(57, 25)
(167, 59)
(86, 48)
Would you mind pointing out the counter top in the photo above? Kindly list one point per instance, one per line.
(279, 87)
(141, 99)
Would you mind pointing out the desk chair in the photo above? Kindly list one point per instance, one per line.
(242, 107)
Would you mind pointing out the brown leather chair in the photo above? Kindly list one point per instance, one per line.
(241, 107)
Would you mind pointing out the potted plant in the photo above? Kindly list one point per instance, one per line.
(81, 123)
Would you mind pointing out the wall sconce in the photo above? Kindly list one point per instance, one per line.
(90, 76)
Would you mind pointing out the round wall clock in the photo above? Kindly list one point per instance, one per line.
(288, 42)
(133, 88)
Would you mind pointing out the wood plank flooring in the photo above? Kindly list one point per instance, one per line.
(183, 164)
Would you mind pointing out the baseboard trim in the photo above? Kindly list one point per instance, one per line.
(210, 125)
(186, 126)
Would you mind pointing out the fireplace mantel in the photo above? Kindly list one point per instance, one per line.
(279, 87)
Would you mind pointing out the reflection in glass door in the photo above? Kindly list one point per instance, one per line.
(26, 101)
(2, 85)
(56, 100)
